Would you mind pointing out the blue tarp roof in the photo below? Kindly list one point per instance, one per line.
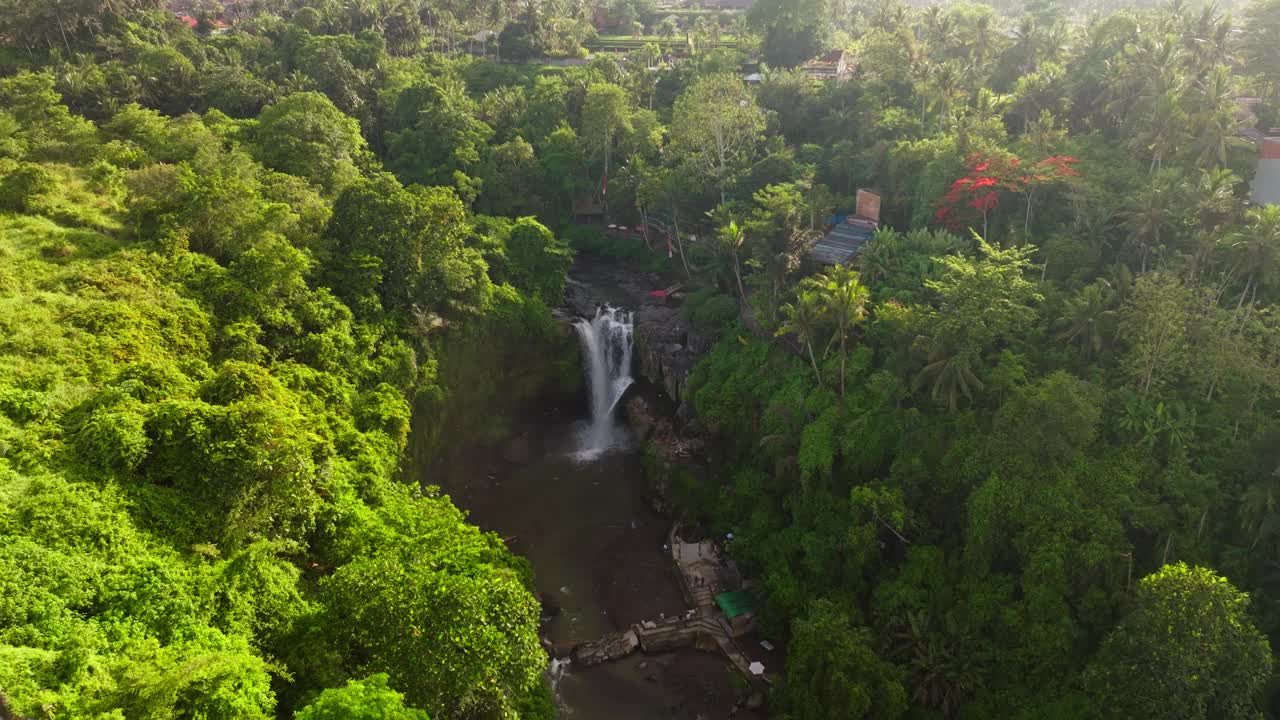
(843, 242)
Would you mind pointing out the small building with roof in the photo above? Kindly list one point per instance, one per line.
(849, 234)
(834, 65)
(844, 241)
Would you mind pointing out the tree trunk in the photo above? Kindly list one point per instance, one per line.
(817, 373)
(1240, 302)
(608, 141)
(644, 228)
(675, 226)
(844, 334)
(63, 31)
(737, 273)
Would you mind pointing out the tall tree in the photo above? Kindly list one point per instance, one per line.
(604, 119)
(1188, 650)
(794, 30)
(1091, 319)
(981, 301)
(305, 135)
(1154, 326)
(802, 318)
(845, 303)
(717, 128)
(1258, 247)
(1151, 216)
(831, 667)
(731, 238)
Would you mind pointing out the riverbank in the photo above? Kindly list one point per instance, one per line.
(589, 526)
(596, 546)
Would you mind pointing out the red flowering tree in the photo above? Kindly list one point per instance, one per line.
(1048, 171)
(989, 176)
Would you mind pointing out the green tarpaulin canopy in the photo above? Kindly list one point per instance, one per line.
(735, 603)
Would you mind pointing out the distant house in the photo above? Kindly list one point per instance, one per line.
(1266, 183)
(835, 65)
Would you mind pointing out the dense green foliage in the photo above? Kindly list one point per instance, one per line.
(369, 699)
(200, 441)
(1055, 379)
(1017, 461)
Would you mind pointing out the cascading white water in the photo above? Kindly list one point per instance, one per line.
(606, 357)
(555, 672)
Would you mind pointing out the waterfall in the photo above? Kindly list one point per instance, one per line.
(555, 672)
(606, 360)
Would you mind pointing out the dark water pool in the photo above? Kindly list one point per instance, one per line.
(596, 548)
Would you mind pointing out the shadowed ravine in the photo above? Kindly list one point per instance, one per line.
(568, 493)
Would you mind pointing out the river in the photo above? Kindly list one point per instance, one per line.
(577, 509)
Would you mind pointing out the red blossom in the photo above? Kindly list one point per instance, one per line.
(985, 202)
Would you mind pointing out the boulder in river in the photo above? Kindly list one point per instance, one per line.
(610, 647)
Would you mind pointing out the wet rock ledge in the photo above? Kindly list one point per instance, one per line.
(667, 346)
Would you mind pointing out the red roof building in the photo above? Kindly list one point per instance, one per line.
(835, 65)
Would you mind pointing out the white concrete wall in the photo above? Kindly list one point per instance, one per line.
(1266, 184)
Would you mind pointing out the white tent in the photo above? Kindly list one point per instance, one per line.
(756, 668)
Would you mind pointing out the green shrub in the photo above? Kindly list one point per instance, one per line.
(711, 310)
(19, 188)
(113, 438)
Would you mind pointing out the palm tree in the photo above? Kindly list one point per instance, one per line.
(943, 87)
(845, 298)
(732, 237)
(982, 39)
(1026, 42)
(1206, 42)
(882, 254)
(651, 53)
(1215, 207)
(939, 28)
(1258, 509)
(949, 372)
(667, 29)
(802, 318)
(1213, 122)
(1151, 215)
(1259, 246)
(1091, 318)
(933, 651)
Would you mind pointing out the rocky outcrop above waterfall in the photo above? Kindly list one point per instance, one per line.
(667, 345)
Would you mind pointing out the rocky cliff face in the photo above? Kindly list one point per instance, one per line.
(666, 344)
(668, 347)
